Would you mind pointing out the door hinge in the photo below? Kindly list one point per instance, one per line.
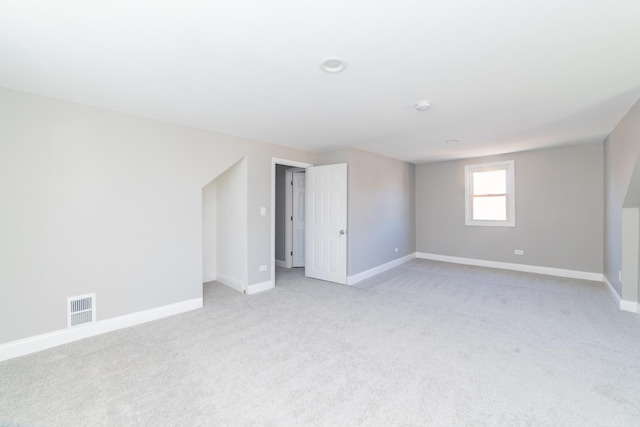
(292, 183)
(291, 253)
(292, 218)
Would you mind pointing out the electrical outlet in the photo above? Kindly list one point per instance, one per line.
(263, 211)
(263, 268)
(518, 252)
(396, 250)
(620, 276)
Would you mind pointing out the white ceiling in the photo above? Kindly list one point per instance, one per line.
(502, 75)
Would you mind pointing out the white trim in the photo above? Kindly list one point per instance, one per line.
(277, 161)
(228, 281)
(259, 287)
(352, 280)
(288, 223)
(52, 339)
(612, 291)
(550, 271)
(288, 215)
(624, 305)
(509, 167)
(630, 306)
(293, 163)
(293, 217)
(281, 263)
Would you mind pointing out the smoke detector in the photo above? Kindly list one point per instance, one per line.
(423, 105)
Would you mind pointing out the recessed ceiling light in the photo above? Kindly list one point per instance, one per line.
(453, 141)
(333, 64)
(423, 105)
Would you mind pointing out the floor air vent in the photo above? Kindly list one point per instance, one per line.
(81, 309)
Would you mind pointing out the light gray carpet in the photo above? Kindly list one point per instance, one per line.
(426, 343)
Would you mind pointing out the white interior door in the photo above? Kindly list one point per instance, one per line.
(297, 219)
(326, 223)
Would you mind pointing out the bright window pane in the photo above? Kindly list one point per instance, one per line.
(490, 208)
(490, 182)
(490, 194)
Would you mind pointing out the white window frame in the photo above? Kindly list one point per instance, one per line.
(509, 167)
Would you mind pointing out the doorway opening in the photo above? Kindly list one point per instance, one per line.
(287, 213)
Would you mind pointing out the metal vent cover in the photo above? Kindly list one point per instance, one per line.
(81, 309)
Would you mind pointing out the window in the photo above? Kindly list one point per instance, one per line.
(490, 194)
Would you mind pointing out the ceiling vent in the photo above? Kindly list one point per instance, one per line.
(81, 309)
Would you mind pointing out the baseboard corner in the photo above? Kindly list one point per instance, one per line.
(230, 282)
(630, 306)
(612, 291)
(356, 278)
(259, 287)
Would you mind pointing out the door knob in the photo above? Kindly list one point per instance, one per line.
(341, 232)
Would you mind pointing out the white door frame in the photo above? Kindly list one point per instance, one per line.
(288, 213)
(276, 161)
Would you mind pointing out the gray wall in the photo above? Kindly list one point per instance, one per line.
(111, 203)
(381, 210)
(209, 231)
(333, 157)
(231, 226)
(621, 154)
(559, 210)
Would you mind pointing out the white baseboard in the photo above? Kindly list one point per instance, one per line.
(550, 271)
(352, 280)
(209, 278)
(612, 291)
(624, 305)
(259, 287)
(52, 339)
(228, 281)
(281, 263)
(631, 306)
